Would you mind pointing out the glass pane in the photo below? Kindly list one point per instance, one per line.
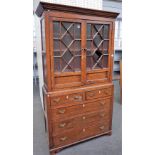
(56, 29)
(67, 56)
(77, 29)
(97, 46)
(106, 32)
(57, 64)
(67, 46)
(76, 63)
(106, 45)
(88, 31)
(56, 45)
(105, 61)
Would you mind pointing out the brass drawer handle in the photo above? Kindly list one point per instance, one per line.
(63, 138)
(102, 127)
(102, 103)
(62, 125)
(102, 115)
(56, 100)
(91, 94)
(62, 111)
(106, 92)
(77, 98)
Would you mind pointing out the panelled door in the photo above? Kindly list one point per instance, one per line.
(67, 42)
(80, 51)
(98, 58)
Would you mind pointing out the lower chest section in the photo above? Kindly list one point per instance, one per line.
(74, 117)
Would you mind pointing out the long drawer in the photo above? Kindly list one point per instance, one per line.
(82, 120)
(79, 109)
(80, 133)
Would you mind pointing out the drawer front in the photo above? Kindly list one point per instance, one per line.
(83, 120)
(80, 109)
(99, 93)
(76, 98)
(80, 134)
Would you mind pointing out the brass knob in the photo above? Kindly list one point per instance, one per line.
(67, 97)
(83, 105)
(83, 130)
(99, 92)
(62, 111)
(83, 117)
(63, 138)
(62, 125)
(102, 127)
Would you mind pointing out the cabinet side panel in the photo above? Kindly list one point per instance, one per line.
(42, 23)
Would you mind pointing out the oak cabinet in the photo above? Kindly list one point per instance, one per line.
(77, 55)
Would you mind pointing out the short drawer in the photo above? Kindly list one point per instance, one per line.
(82, 120)
(64, 99)
(80, 133)
(99, 93)
(80, 109)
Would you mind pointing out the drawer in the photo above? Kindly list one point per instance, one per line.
(64, 99)
(80, 109)
(83, 120)
(98, 93)
(81, 133)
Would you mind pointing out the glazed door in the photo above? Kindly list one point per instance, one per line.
(98, 43)
(67, 42)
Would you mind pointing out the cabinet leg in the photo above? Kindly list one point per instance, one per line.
(53, 153)
(57, 150)
(110, 133)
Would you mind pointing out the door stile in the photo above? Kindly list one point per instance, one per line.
(83, 52)
(111, 50)
(49, 44)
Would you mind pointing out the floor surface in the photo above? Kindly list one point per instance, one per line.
(104, 145)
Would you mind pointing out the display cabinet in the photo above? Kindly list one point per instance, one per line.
(77, 55)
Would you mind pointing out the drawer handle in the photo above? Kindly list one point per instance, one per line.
(102, 115)
(62, 125)
(106, 92)
(91, 94)
(77, 98)
(62, 111)
(63, 138)
(56, 100)
(102, 103)
(102, 127)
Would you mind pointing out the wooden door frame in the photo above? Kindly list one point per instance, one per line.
(110, 49)
(55, 74)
